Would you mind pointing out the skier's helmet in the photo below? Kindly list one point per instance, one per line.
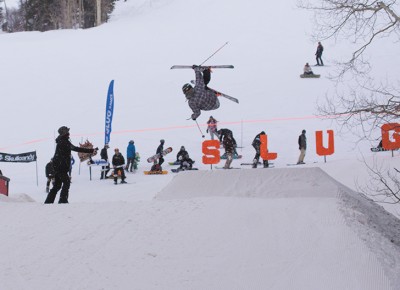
(182, 148)
(186, 88)
(63, 130)
(262, 133)
(304, 131)
(162, 141)
(131, 142)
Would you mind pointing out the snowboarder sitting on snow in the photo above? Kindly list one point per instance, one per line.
(118, 162)
(256, 144)
(62, 165)
(307, 69)
(185, 162)
(182, 152)
(199, 96)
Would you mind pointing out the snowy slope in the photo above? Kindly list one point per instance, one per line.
(192, 231)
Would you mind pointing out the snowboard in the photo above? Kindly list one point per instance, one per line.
(381, 149)
(205, 66)
(157, 156)
(176, 170)
(177, 163)
(314, 76)
(155, 172)
(235, 156)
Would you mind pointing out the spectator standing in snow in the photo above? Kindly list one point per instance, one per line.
(318, 54)
(104, 155)
(257, 144)
(62, 165)
(130, 155)
(159, 150)
(49, 174)
(118, 162)
(200, 97)
(212, 127)
(302, 147)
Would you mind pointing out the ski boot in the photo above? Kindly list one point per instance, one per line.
(255, 161)
(265, 163)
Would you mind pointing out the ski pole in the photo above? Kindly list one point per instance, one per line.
(202, 136)
(214, 53)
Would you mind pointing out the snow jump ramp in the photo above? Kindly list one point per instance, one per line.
(295, 192)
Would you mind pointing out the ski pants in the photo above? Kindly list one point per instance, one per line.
(61, 181)
(119, 171)
(302, 155)
(229, 159)
(104, 171)
(129, 164)
(319, 59)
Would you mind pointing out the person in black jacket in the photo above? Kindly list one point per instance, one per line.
(62, 165)
(49, 174)
(159, 150)
(104, 155)
(318, 54)
(229, 150)
(256, 144)
(302, 147)
(182, 153)
(118, 162)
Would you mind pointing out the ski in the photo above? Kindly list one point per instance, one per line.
(205, 66)
(179, 170)
(221, 94)
(216, 167)
(380, 149)
(259, 163)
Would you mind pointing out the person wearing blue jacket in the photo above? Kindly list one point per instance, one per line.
(130, 155)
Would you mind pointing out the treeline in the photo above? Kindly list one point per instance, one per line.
(44, 15)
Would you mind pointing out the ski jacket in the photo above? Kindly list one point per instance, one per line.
(182, 153)
(104, 154)
(223, 133)
(212, 125)
(257, 141)
(320, 49)
(229, 145)
(302, 142)
(130, 151)
(49, 170)
(62, 156)
(118, 160)
(202, 99)
(307, 69)
(160, 149)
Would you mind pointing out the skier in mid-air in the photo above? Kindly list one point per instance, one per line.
(200, 97)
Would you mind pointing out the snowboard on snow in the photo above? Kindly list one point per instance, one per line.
(157, 156)
(381, 149)
(217, 167)
(177, 163)
(205, 66)
(313, 76)
(159, 172)
(176, 170)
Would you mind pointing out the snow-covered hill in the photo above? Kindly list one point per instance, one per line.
(197, 233)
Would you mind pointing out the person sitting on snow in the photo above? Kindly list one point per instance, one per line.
(307, 69)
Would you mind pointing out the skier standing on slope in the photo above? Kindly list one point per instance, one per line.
(199, 96)
(302, 147)
(159, 151)
(256, 144)
(212, 127)
(318, 54)
(229, 150)
(62, 165)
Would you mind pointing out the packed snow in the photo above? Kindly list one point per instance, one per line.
(287, 227)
